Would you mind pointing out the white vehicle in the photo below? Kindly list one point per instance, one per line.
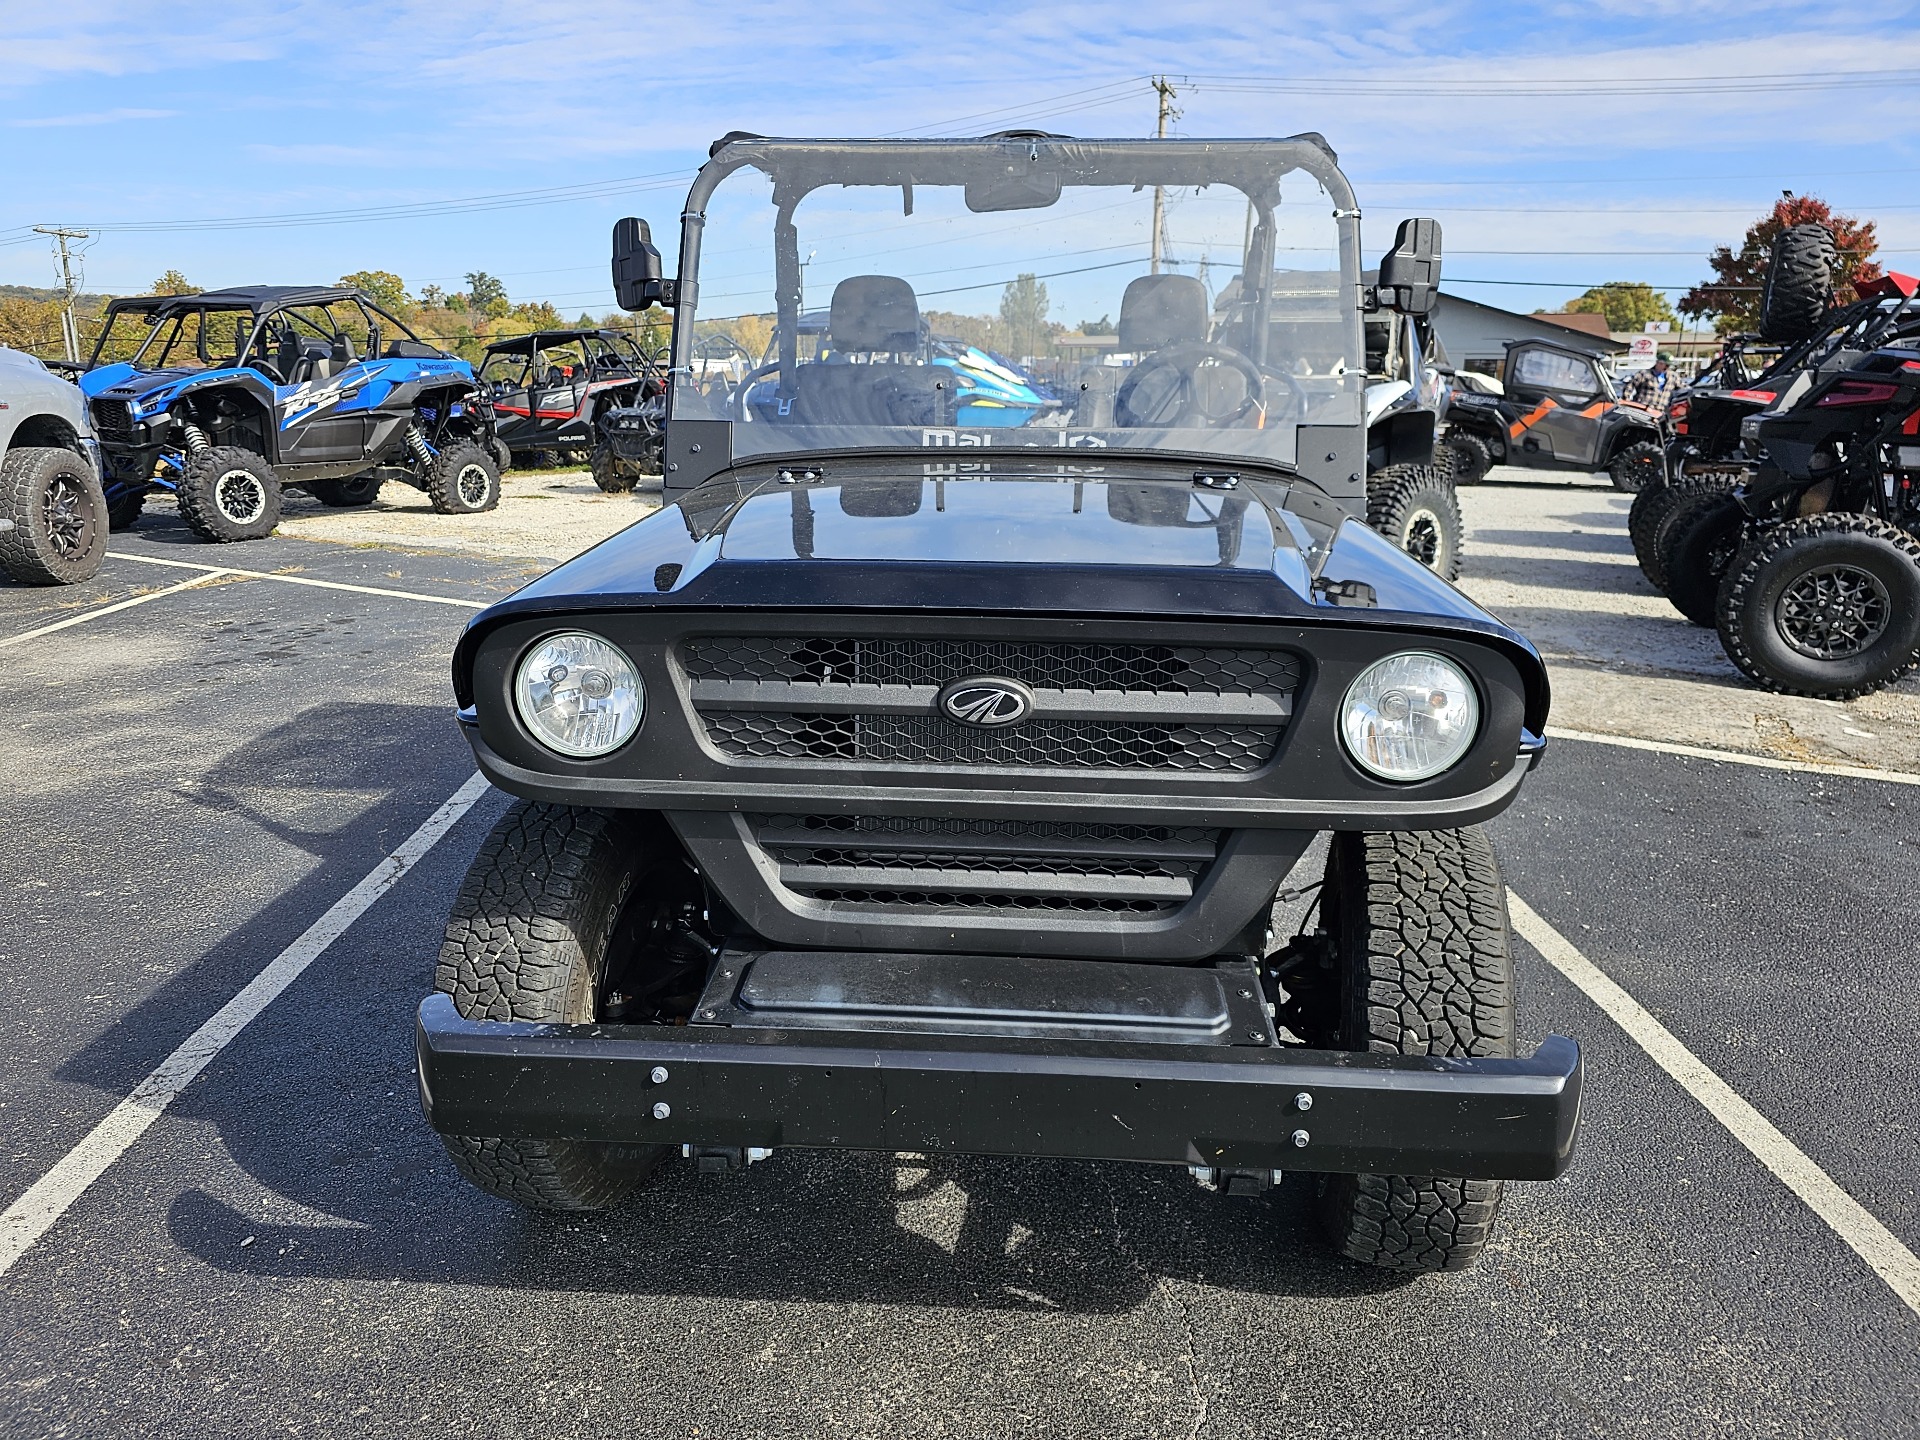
(53, 514)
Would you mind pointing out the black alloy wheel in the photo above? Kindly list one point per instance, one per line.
(1826, 606)
(58, 515)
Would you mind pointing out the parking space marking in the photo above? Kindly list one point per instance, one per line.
(1892, 1261)
(1735, 757)
(303, 580)
(214, 572)
(49, 1197)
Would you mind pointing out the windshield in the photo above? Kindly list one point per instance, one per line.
(1025, 295)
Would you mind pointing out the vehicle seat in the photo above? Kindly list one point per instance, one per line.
(1158, 311)
(871, 316)
(313, 361)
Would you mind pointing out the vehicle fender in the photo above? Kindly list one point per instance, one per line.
(1404, 437)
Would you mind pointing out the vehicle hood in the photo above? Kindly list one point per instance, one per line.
(1086, 546)
(122, 382)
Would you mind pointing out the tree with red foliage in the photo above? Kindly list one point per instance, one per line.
(1732, 297)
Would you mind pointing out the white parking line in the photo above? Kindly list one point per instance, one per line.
(1735, 757)
(49, 1197)
(303, 580)
(1892, 1261)
(213, 573)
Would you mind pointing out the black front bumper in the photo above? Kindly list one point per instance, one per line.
(1233, 1108)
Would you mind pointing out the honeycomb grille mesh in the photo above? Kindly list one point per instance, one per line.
(1061, 665)
(935, 740)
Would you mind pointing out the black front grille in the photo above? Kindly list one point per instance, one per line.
(895, 863)
(113, 419)
(1097, 705)
(1064, 665)
(935, 740)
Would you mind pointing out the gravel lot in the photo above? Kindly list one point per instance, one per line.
(198, 777)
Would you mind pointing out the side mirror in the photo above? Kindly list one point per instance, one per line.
(637, 271)
(1410, 273)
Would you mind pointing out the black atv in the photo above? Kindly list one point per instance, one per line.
(1685, 534)
(229, 395)
(1560, 412)
(1821, 595)
(554, 391)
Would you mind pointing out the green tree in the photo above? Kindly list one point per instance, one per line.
(486, 294)
(173, 283)
(1627, 304)
(1732, 297)
(1102, 326)
(432, 296)
(387, 289)
(1023, 315)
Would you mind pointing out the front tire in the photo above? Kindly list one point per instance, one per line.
(1419, 924)
(1697, 543)
(1653, 507)
(463, 480)
(59, 514)
(610, 474)
(1471, 457)
(530, 938)
(1638, 467)
(123, 510)
(1826, 606)
(229, 494)
(1415, 507)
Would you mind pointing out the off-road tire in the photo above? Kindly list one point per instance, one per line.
(1798, 289)
(1419, 924)
(1858, 553)
(612, 475)
(502, 455)
(228, 494)
(1639, 466)
(1470, 457)
(1701, 535)
(528, 940)
(346, 494)
(1653, 507)
(463, 480)
(1415, 507)
(59, 515)
(124, 513)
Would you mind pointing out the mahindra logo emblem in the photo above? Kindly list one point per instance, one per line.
(986, 701)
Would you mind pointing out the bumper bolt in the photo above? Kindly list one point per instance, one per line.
(659, 1075)
(1303, 1101)
(663, 1110)
(1300, 1137)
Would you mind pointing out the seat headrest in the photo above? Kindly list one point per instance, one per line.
(1160, 310)
(874, 312)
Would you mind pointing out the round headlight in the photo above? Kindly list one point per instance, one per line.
(579, 695)
(1410, 716)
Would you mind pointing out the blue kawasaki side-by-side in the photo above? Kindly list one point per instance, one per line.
(226, 396)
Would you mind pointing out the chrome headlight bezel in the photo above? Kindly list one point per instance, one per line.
(1361, 708)
(613, 689)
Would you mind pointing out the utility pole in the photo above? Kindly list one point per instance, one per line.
(69, 332)
(1165, 91)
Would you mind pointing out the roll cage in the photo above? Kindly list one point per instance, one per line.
(1012, 171)
(268, 320)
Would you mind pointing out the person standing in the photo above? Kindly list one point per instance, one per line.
(1652, 389)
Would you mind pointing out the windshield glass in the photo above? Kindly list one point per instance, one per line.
(980, 304)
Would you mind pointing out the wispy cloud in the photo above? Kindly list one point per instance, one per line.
(89, 117)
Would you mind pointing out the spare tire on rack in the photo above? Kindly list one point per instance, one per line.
(1798, 289)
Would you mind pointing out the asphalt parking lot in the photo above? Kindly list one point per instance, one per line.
(196, 778)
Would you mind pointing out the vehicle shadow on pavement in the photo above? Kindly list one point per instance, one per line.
(1612, 542)
(811, 1226)
(324, 795)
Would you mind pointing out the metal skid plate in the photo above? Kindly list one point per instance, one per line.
(988, 995)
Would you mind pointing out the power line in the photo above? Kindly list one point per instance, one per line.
(1428, 86)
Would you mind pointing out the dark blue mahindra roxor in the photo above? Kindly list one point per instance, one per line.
(909, 785)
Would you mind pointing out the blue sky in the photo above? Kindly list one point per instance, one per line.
(1561, 144)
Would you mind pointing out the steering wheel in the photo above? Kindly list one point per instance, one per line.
(1170, 389)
